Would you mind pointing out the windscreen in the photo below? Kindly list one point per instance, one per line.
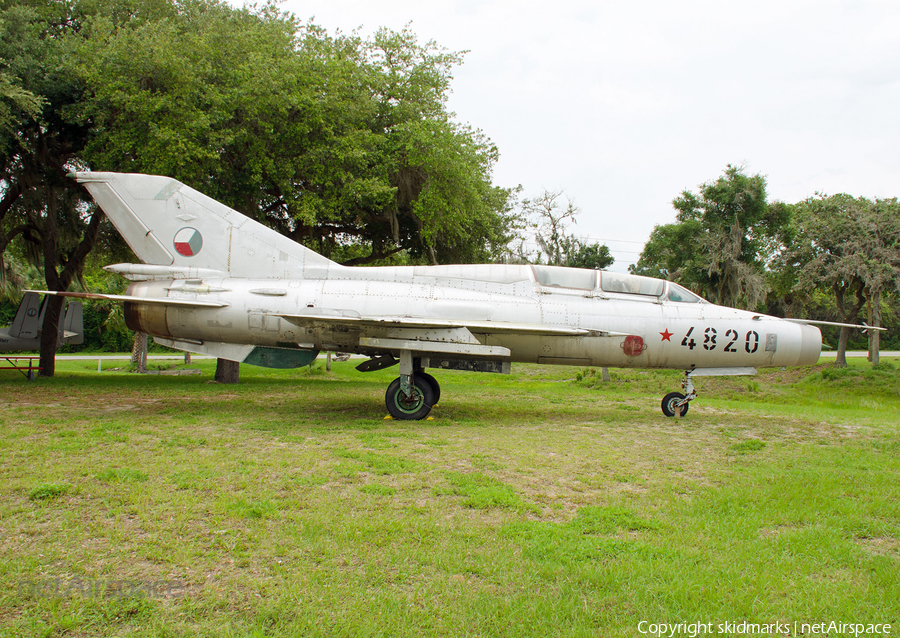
(683, 295)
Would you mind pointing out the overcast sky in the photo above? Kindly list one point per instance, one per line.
(622, 105)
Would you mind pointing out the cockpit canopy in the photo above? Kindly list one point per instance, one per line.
(562, 277)
(581, 279)
(631, 284)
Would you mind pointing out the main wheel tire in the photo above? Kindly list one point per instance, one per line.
(669, 401)
(435, 386)
(412, 408)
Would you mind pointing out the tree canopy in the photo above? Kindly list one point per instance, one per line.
(341, 143)
(721, 242)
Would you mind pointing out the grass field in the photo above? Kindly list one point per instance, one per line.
(542, 503)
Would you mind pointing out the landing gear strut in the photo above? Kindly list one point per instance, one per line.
(676, 403)
(411, 395)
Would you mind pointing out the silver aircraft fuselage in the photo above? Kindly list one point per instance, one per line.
(650, 331)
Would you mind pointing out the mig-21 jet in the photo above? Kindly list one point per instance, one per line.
(212, 281)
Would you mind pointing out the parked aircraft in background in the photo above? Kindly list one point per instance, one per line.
(24, 334)
(215, 282)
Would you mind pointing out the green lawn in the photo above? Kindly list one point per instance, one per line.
(532, 504)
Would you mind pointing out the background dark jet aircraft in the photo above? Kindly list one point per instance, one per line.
(24, 334)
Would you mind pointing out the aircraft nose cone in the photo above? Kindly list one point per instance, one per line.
(810, 345)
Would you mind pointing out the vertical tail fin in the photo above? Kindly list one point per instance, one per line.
(72, 329)
(169, 224)
(27, 322)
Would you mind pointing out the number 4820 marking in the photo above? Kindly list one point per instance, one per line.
(751, 340)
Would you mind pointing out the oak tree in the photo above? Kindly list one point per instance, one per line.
(850, 245)
(721, 242)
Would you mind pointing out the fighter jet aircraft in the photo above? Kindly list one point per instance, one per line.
(215, 282)
(24, 332)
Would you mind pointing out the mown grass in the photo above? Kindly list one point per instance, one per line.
(532, 504)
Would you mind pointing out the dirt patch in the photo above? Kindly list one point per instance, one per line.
(880, 546)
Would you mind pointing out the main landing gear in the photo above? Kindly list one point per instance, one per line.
(411, 395)
(676, 403)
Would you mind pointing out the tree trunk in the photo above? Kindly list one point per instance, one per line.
(139, 353)
(875, 321)
(50, 334)
(847, 314)
(56, 280)
(841, 359)
(227, 371)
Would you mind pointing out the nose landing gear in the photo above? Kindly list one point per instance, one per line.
(676, 403)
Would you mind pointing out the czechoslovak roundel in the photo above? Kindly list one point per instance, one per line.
(188, 242)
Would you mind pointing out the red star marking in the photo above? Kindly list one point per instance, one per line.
(666, 336)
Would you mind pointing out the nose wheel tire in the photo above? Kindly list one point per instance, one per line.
(413, 407)
(669, 404)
